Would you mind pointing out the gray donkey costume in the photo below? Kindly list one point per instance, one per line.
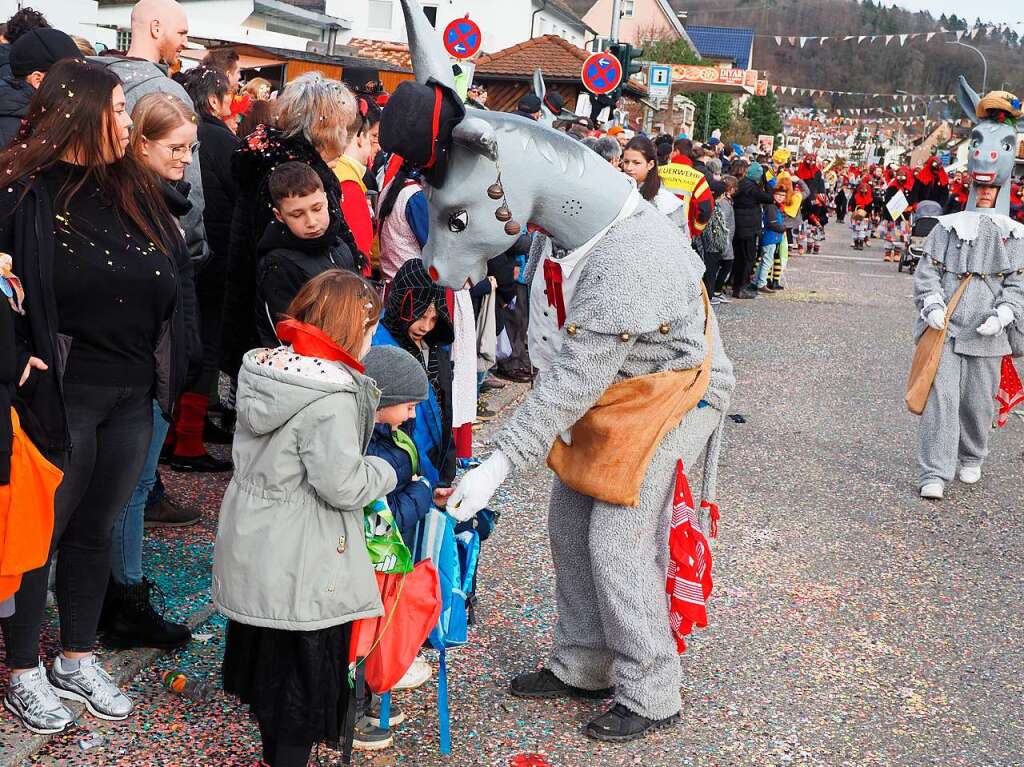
(987, 244)
(628, 304)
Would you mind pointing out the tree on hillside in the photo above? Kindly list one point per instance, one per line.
(763, 114)
(706, 120)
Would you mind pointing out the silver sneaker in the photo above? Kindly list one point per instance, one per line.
(91, 685)
(32, 700)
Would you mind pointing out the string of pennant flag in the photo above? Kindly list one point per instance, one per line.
(955, 35)
(796, 91)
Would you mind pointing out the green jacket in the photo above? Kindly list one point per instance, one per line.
(290, 551)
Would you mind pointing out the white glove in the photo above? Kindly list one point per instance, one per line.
(995, 324)
(936, 319)
(476, 488)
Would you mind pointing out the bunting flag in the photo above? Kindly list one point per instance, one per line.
(988, 30)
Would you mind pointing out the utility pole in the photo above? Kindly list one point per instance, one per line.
(616, 14)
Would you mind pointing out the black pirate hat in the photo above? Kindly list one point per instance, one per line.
(418, 122)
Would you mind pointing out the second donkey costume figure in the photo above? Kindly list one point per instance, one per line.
(634, 380)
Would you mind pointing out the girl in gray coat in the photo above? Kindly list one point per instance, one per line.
(291, 570)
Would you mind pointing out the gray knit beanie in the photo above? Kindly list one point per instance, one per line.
(399, 376)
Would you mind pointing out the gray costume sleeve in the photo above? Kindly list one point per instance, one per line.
(1013, 295)
(928, 293)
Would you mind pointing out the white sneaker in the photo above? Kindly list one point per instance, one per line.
(35, 703)
(970, 474)
(419, 674)
(92, 685)
(933, 491)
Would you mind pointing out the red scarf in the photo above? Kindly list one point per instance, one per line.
(1011, 392)
(805, 171)
(311, 341)
(928, 177)
(907, 185)
(863, 197)
(553, 287)
(689, 566)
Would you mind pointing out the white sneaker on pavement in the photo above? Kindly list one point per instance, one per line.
(933, 491)
(970, 474)
(417, 675)
(32, 699)
(91, 684)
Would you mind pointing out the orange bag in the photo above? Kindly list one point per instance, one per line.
(26, 511)
(389, 643)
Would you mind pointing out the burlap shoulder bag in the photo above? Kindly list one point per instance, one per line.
(927, 356)
(614, 442)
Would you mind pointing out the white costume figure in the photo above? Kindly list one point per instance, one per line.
(986, 245)
(623, 306)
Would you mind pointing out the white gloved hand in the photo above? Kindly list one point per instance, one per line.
(993, 325)
(476, 488)
(936, 319)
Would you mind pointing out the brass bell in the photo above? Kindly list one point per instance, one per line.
(571, 328)
(503, 213)
(495, 192)
(512, 228)
(624, 337)
(664, 328)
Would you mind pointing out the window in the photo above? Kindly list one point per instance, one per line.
(626, 8)
(380, 14)
(124, 39)
(430, 11)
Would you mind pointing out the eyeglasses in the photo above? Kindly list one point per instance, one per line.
(181, 150)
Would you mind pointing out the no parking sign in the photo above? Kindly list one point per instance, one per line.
(462, 38)
(601, 73)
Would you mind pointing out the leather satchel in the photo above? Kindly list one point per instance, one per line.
(614, 442)
(927, 356)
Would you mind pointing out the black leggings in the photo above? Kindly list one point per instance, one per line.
(278, 754)
(745, 249)
(110, 430)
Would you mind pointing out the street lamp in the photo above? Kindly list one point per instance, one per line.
(984, 63)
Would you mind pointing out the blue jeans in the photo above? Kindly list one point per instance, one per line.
(764, 269)
(126, 547)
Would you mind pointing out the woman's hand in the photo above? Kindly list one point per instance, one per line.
(34, 363)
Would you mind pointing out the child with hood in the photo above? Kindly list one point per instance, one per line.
(416, 318)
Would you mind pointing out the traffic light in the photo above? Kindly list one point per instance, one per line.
(628, 57)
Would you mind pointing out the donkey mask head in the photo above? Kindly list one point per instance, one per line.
(993, 144)
(505, 172)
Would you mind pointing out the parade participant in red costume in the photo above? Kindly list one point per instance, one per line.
(958, 191)
(896, 229)
(931, 183)
(815, 207)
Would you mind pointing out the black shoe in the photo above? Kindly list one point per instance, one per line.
(516, 376)
(200, 463)
(166, 513)
(618, 725)
(215, 435)
(166, 454)
(544, 684)
(745, 294)
(132, 621)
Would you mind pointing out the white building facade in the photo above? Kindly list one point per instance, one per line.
(76, 17)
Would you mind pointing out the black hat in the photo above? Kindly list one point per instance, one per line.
(417, 124)
(529, 104)
(39, 49)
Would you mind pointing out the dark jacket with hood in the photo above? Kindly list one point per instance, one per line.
(747, 204)
(285, 263)
(251, 165)
(27, 233)
(216, 145)
(411, 293)
(9, 375)
(15, 95)
(412, 498)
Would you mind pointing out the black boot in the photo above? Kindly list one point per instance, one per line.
(131, 620)
(544, 684)
(215, 435)
(618, 725)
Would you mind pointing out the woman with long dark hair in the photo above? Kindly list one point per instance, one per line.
(94, 245)
(640, 163)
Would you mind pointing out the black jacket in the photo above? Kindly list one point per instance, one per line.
(747, 205)
(9, 374)
(251, 166)
(14, 98)
(216, 145)
(26, 232)
(286, 263)
(5, 60)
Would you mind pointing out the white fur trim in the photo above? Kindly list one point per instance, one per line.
(967, 222)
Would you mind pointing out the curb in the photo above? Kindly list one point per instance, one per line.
(123, 665)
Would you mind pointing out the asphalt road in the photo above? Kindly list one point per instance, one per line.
(851, 624)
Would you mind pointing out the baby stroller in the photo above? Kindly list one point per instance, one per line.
(925, 219)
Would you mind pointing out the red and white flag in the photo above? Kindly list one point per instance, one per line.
(1011, 392)
(689, 565)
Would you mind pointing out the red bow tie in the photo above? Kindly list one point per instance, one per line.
(553, 284)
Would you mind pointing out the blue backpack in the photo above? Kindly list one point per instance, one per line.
(455, 557)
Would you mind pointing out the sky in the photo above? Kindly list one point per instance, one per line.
(1005, 11)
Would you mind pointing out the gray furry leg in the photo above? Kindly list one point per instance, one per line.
(580, 656)
(978, 386)
(628, 549)
(939, 430)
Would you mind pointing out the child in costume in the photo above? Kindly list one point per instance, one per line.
(859, 228)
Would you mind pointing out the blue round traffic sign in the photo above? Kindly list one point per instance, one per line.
(462, 38)
(601, 73)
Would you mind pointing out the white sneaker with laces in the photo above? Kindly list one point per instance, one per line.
(92, 685)
(933, 491)
(970, 474)
(33, 701)
(417, 675)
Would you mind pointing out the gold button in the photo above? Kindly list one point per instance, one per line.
(664, 328)
(624, 337)
(571, 328)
